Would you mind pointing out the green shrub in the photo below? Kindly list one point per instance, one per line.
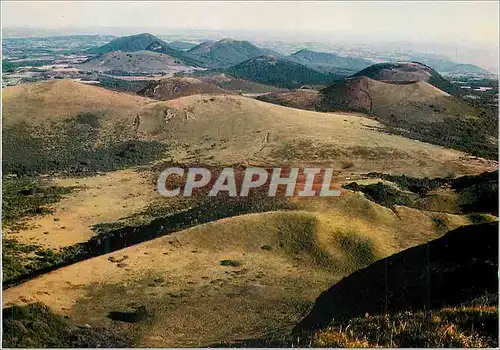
(36, 326)
(233, 263)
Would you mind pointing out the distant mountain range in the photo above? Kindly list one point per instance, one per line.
(280, 72)
(226, 53)
(329, 62)
(446, 66)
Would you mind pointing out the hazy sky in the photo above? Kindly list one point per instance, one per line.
(469, 28)
(430, 21)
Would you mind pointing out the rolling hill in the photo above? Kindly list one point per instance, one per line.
(281, 72)
(171, 88)
(463, 278)
(132, 43)
(175, 87)
(259, 271)
(329, 62)
(385, 99)
(234, 129)
(134, 62)
(143, 42)
(404, 72)
(181, 45)
(226, 52)
(407, 100)
(360, 93)
(111, 254)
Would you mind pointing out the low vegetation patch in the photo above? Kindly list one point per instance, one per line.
(475, 327)
(28, 196)
(471, 135)
(73, 147)
(478, 218)
(23, 261)
(383, 194)
(23, 198)
(36, 326)
(10, 67)
(476, 194)
(118, 84)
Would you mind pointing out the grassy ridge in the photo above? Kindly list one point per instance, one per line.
(36, 326)
(23, 198)
(28, 196)
(71, 146)
(475, 194)
(469, 135)
(458, 267)
(465, 327)
(155, 221)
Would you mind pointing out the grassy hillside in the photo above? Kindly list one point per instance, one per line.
(275, 71)
(271, 265)
(134, 62)
(329, 62)
(171, 88)
(234, 129)
(417, 110)
(299, 98)
(86, 233)
(85, 134)
(226, 52)
(382, 98)
(456, 269)
(465, 326)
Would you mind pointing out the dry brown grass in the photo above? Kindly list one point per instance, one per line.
(103, 198)
(201, 302)
(175, 87)
(469, 327)
(236, 129)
